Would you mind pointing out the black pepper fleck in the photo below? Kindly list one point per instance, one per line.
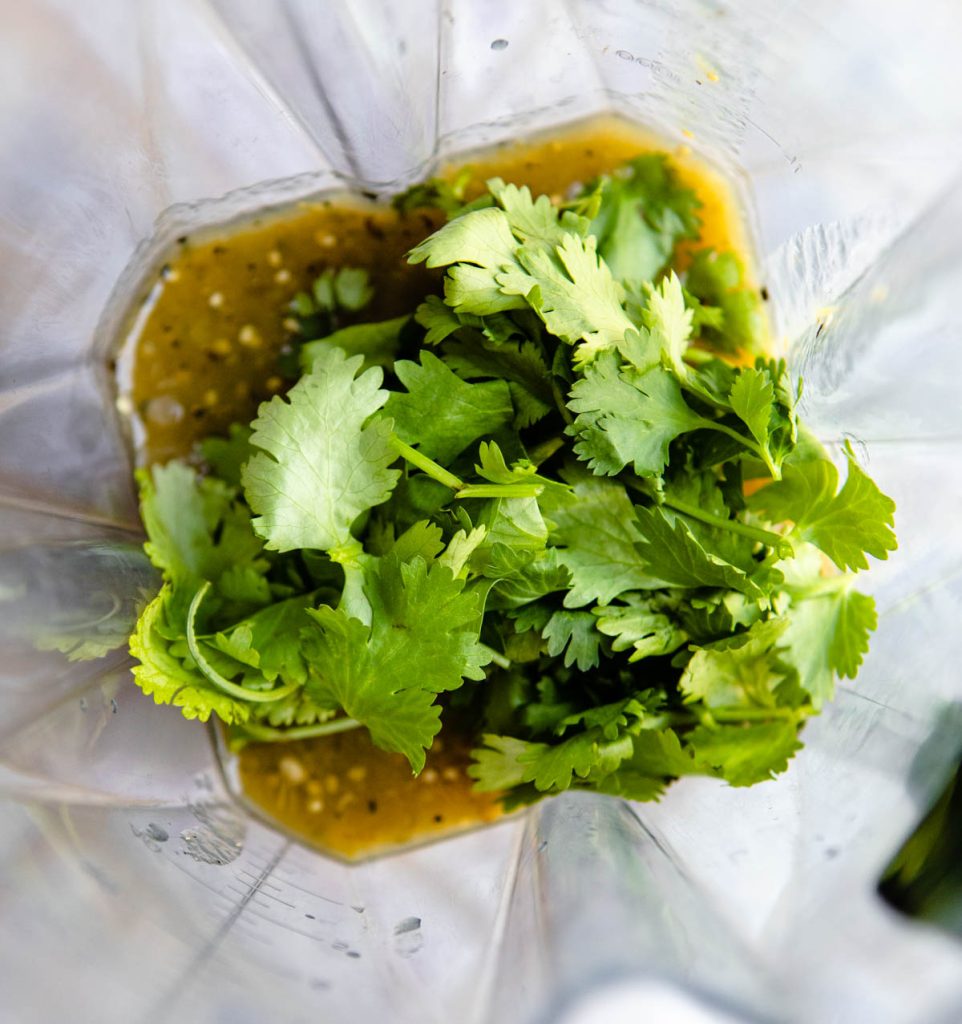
(372, 806)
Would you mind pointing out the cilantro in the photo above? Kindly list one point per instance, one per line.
(377, 343)
(625, 416)
(422, 641)
(320, 463)
(737, 670)
(597, 536)
(718, 281)
(573, 292)
(440, 413)
(636, 624)
(166, 678)
(644, 213)
(745, 754)
(847, 525)
(574, 634)
(535, 520)
(520, 364)
(435, 194)
(672, 554)
(827, 636)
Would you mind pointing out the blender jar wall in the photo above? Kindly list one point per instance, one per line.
(125, 863)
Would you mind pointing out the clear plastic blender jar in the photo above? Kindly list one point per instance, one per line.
(133, 887)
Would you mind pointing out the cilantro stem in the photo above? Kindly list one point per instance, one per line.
(823, 585)
(559, 401)
(212, 675)
(698, 356)
(497, 658)
(519, 490)
(542, 452)
(732, 433)
(736, 714)
(426, 465)
(725, 715)
(751, 445)
(766, 537)
(298, 732)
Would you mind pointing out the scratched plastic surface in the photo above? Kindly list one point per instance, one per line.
(131, 890)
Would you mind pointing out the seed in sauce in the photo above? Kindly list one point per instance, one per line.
(313, 788)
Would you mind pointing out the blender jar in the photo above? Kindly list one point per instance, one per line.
(133, 888)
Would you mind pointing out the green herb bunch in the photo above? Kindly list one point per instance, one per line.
(555, 506)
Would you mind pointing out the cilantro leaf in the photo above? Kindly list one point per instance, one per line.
(827, 635)
(522, 575)
(644, 213)
(629, 784)
(636, 625)
(669, 322)
(846, 525)
(497, 765)
(573, 633)
(609, 719)
(597, 537)
(670, 553)
(342, 288)
(521, 364)
(738, 670)
(626, 416)
(552, 767)
(660, 754)
(269, 640)
(492, 466)
(752, 399)
(535, 221)
(438, 319)
(164, 677)
(226, 455)
(573, 292)
(423, 539)
(436, 193)
(376, 342)
(745, 754)
(476, 247)
(759, 397)
(321, 462)
(442, 414)
(197, 531)
(719, 280)
(422, 640)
